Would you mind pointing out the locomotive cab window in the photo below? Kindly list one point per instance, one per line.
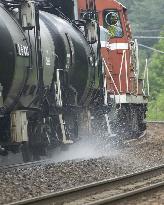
(112, 23)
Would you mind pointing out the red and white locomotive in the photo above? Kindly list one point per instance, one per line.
(122, 84)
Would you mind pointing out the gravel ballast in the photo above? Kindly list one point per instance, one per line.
(134, 155)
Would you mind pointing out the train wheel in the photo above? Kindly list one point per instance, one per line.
(26, 152)
(36, 154)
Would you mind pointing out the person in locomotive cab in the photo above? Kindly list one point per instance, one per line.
(113, 24)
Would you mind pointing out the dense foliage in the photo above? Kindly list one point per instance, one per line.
(146, 17)
(156, 75)
(145, 14)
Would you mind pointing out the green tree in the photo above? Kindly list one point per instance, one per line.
(156, 108)
(156, 78)
(146, 17)
(156, 70)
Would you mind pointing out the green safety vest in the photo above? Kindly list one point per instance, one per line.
(112, 31)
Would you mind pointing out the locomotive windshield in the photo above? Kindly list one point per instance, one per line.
(112, 23)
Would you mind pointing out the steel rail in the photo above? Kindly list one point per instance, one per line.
(127, 194)
(82, 191)
(27, 164)
(157, 122)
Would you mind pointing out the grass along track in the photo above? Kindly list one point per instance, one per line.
(105, 191)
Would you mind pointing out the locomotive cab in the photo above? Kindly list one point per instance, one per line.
(113, 23)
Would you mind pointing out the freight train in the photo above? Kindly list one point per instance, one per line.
(62, 70)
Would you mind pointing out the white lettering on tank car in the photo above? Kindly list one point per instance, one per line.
(22, 50)
(48, 61)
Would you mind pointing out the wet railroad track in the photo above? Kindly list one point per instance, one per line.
(25, 165)
(155, 122)
(104, 192)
